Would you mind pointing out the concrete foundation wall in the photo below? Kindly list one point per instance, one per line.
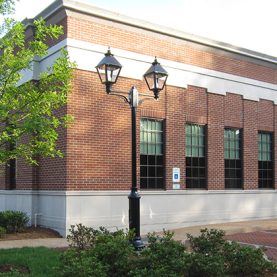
(166, 209)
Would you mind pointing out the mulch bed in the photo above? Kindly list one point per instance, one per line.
(32, 233)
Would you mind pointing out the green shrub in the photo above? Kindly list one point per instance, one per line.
(205, 265)
(110, 254)
(114, 251)
(81, 264)
(246, 261)
(2, 231)
(213, 253)
(13, 221)
(162, 257)
(208, 242)
(97, 253)
(81, 237)
(207, 259)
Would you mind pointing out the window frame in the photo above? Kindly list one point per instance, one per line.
(158, 164)
(195, 164)
(234, 162)
(272, 185)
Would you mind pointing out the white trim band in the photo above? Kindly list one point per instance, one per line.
(87, 55)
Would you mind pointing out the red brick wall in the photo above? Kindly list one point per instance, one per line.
(98, 150)
(97, 159)
(196, 108)
(233, 111)
(97, 146)
(265, 116)
(24, 175)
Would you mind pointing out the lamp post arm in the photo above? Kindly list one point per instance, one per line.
(120, 95)
(146, 95)
(118, 92)
(146, 99)
(131, 97)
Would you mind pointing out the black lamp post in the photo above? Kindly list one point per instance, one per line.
(108, 70)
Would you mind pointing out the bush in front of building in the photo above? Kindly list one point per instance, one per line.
(211, 254)
(80, 264)
(207, 257)
(13, 221)
(109, 254)
(97, 253)
(81, 236)
(246, 261)
(163, 256)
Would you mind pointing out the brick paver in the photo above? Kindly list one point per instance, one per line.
(267, 239)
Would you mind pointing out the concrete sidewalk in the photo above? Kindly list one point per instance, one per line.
(47, 242)
(180, 233)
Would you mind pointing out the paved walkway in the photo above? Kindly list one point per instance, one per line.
(48, 242)
(265, 238)
(229, 228)
(257, 233)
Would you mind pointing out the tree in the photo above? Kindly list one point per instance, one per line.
(29, 111)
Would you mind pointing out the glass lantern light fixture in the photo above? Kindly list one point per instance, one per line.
(109, 69)
(155, 78)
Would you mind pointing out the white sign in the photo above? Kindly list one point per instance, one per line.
(176, 186)
(176, 175)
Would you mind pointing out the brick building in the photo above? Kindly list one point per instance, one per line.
(215, 121)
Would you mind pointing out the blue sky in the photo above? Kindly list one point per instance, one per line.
(245, 23)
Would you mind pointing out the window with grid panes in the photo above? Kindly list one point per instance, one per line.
(232, 158)
(151, 154)
(195, 156)
(265, 159)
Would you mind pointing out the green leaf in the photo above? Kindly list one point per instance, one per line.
(31, 114)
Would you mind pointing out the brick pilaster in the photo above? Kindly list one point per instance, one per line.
(215, 131)
(250, 145)
(175, 134)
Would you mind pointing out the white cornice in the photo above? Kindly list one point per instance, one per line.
(87, 55)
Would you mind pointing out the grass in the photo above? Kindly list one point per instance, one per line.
(41, 261)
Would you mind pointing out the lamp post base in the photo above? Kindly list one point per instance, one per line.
(134, 217)
(138, 243)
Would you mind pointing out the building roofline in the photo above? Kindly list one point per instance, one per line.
(79, 5)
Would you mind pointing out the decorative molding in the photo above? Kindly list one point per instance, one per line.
(87, 55)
